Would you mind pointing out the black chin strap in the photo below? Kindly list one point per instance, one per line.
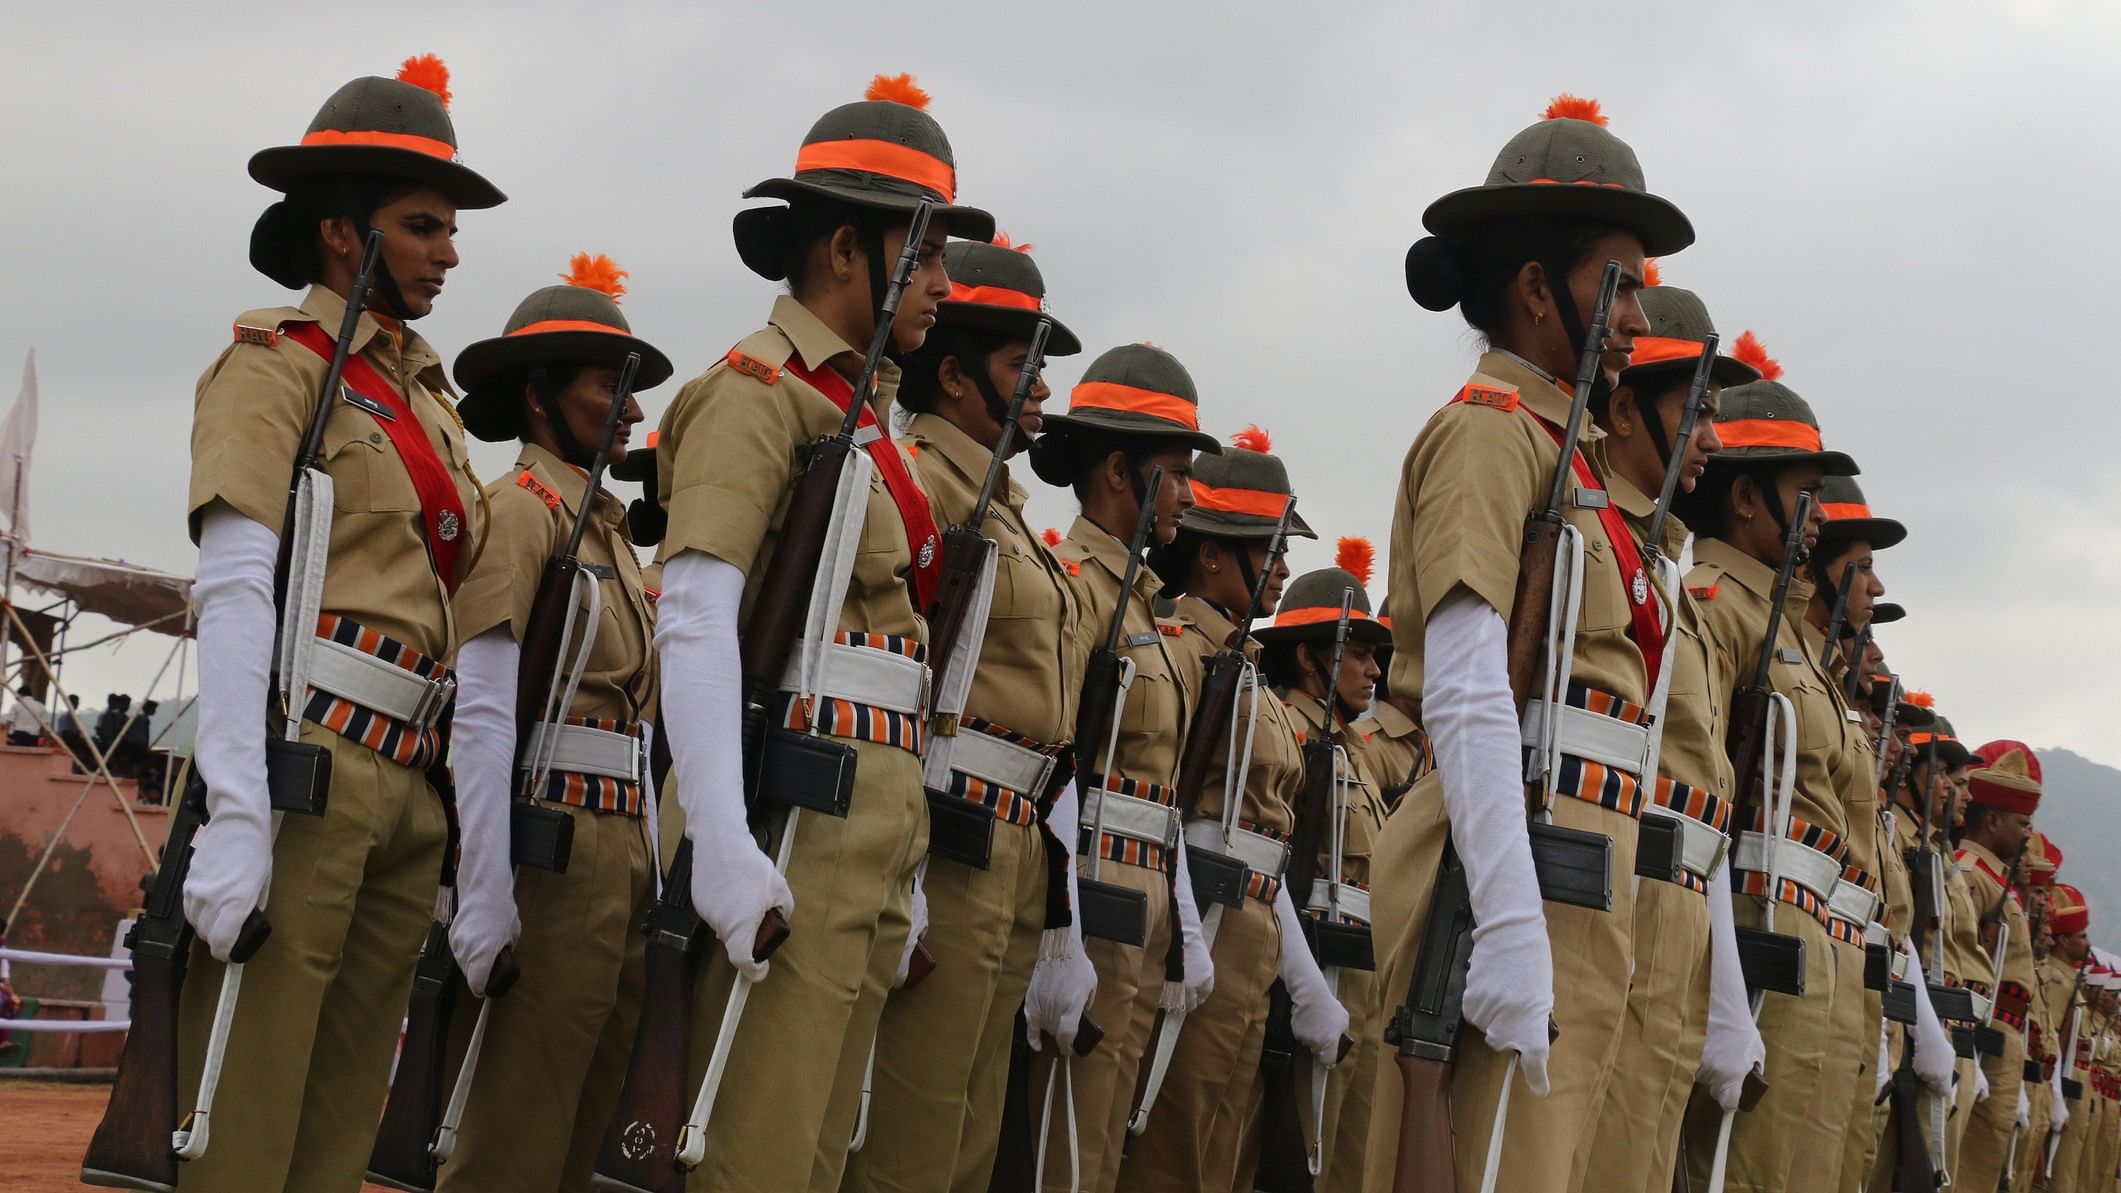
(997, 407)
(871, 238)
(548, 398)
(1572, 323)
(385, 283)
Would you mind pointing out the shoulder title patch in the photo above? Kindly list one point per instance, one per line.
(1702, 592)
(263, 337)
(524, 480)
(1489, 396)
(753, 367)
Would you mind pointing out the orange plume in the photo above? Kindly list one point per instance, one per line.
(1356, 557)
(427, 71)
(1052, 536)
(1569, 107)
(1651, 275)
(1749, 350)
(898, 89)
(596, 273)
(1252, 439)
(1001, 240)
(1922, 700)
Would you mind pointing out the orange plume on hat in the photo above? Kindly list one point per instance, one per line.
(596, 273)
(1355, 556)
(1052, 536)
(1570, 107)
(1001, 240)
(1651, 275)
(1252, 439)
(1749, 350)
(1922, 700)
(898, 89)
(428, 72)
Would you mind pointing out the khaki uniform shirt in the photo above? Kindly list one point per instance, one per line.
(253, 408)
(1691, 748)
(2043, 1030)
(1473, 475)
(1031, 664)
(1733, 590)
(1905, 833)
(1964, 958)
(1856, 781)
(1395, 749)
(1275, 781)
(728, 455)
(1364, 816)
(1993, 904)
(534, 509)
(1894, 882)
(1152, 727)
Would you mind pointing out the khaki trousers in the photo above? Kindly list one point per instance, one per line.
(1961, 1113)
(1592, 953)
(1130, 983)
(942, 1052)
(2095, 1170)
(309, 1054)
(1193, 1136)
(1817, 1163)
(1865, 1115)
(2069, 1153)
(1637, 1140)
(1350, 1086)
(785, 1112)
(1988, 1133)
(1764, 1140)
(2032, 1142)
(557, 1044)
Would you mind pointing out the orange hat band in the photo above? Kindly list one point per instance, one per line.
(1650, 350)
(993, 296)
(1110, 395)
(427, 145)
(881, 157)
(543, 326)
(1257, 502)
(1768, 432)
(1297, 617)
(1618, 186)
(1837, 510)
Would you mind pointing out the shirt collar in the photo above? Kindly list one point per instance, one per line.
(964, 454)
(1111, 554)
(1751, 574)
(1538, 389)
(328, 307)
(565, 480)
(818, 346)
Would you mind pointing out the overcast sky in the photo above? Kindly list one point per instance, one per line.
(1911, 203)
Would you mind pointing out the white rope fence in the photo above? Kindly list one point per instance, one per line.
(83, 1026)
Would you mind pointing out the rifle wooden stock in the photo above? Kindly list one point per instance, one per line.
(1284, 1152)
(1746, 744)
(965, 554)
(783, 597)
(1911, 1167)
(1532, 604)
(1209, 735)
(1425, 1162)
(399, 1159)
(1424, 1030)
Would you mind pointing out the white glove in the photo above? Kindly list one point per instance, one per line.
(1067, 940)
(1472, 725)
(482, 746)
(2057, 1103)
(2025, 1108)
(1980, 1084)
(918, 930)
(1884, 1069)
(231, 862)
(734, 884)
(650, 821)
(1199, 962)
(1061, 990)
(1935, 1062)
(1734, 1047)
(1315, 1015)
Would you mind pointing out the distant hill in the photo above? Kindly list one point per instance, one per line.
(2080, 810)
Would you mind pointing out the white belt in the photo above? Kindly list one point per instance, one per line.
(1875, 936)
(1129, 816)
(587, 751)
(1259, 853)
(1794, 860)
(1982, 1004)
(879, 678)
(1595, 736)
(1900, 967)
(994, 760)
(1700, 846)
(370, 682)
(1354, 901)
(1849, 901)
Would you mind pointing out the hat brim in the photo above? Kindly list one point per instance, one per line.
(283, 165)
(1222, 524)
(1014, 322)
(1128, 422)
(635, 465)
(1360, 629)
(1887, 612)
(1880, 533)
(760, 231)
(483, 365)
(1663, 227)
(1835, 463)
(1726, 370)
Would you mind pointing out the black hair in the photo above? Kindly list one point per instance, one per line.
(1278, 662)
(809, 220)
(1072, 455)
(1473, 269)
(1173, 561)
(502, 418)
(1977, 816)
(920, 384)
(283, 243)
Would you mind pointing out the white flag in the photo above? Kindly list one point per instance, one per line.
(18, 435)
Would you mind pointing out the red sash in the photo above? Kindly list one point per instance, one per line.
(441, 510)
(922, 539)
(1634, 579)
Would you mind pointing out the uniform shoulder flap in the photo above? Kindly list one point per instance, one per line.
(1704, 581)
(762, 356)
(262, 328)
(1490, 392)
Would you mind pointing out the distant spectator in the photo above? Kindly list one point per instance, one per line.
(110, 720)
(25, 722)
(69, 728)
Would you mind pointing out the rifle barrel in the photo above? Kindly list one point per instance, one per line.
(1586, 378)
(356, 304)
(901, 275)
(1689, 417)
(619, 398)
(1142, 526)
(1276, 546)
(1025, 379)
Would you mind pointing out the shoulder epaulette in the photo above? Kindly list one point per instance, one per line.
(1493, 397)
(751, 366)
(1702, 592)
(263, 337)
(525, 480)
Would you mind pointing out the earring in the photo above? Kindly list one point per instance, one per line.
(1621, 427)
(1539, 317)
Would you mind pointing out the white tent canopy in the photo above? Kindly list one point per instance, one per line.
(123, 592)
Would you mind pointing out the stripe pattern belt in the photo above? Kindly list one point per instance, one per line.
(1602, 783)
(598, 792)
(1354, 901)
(1265, 853)
(1852, 905)
(1982, 1002)
(1141, 824)
(1704, 819)
(1013, 771)
(1808, 872)
(870, 721)
(405, 734)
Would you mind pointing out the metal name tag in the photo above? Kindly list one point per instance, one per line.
(1141, 638)
(366, 403)
(599, 570)
(1589, 499)
(1789, 654)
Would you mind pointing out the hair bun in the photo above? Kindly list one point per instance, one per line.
(274, 251)
(1053, 458)
(1434, 276)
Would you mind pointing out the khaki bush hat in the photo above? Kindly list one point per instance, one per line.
(1310, 606)
(1241, 493)
(1136, 389)
(577, 323)
(997, 288)
(392, 128)
(1679, 326)
(1765, 422)
(1849, 517)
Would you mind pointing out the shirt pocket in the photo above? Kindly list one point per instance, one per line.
(882, 528)
(1605, 601)
(366, 474)
(1152, 701)
(1023, 588)
(1816, 712)
(1364, 821)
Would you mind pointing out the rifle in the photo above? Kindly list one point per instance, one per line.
(640, 1148)
(1837, 620)
(1015, 1169)
(135, 1145)
(960, 829)
(1746, 741)
(1425, 1027)
(1689, 417)
(1912, 1169)
(1111, 911)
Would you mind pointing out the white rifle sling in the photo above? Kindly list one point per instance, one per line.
(1095, 806)
(1563, 613)
(545, 742)
(956, 688)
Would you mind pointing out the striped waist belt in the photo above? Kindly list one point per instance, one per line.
(377, 691)
(1701, 818)
(1140, 822)
(2014, 1018)
(1852, 905)
(1264, 855)
(1982, 1002)
(1594, 732)
(868, 687)
(1001, 770)
(596, 764)
(1353, 899)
